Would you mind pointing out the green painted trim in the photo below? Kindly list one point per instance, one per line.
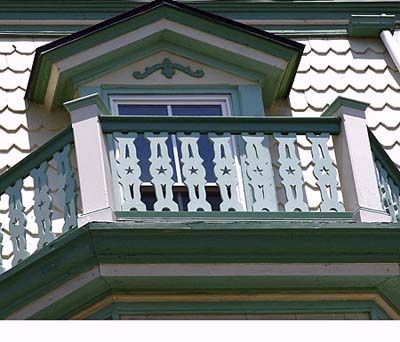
(168, 69)
(238, 101)
(236, 216)
(34, 159)
(81, 249)
(235, 125)
(370, 25)
(231, 308)
(343, 102)
(103, 9)
(85, 101)
(380, 154)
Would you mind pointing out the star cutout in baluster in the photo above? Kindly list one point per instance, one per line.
(161, 170)
(290, 170)
(129, 170)
(260, 171)
(193, 170)
(324, 171)
(225, 171)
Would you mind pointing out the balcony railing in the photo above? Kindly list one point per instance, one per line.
(46, 174)
(223, 163)
(388, 176)
(129, 167)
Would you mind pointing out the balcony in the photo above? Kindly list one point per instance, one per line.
(108, 168)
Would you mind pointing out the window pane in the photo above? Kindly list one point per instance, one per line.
(206, 110)
(130, 109)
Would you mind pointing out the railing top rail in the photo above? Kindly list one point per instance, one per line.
(380, 154)
(218, 124)
(34, 159)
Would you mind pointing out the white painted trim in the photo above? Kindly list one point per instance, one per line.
(248, 269)
(93, 165)
(356, 167)
(392, 44)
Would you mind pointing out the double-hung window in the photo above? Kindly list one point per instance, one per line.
(176, 106)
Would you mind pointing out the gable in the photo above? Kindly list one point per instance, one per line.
(265, 58)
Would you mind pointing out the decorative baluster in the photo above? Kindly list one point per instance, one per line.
(66, 186)
(259, 173)
(43, 203)
(1, 252)
(161, 172)
(194, 172)
(129, 172)
(325, 172)
(395, 195)
(225, 172)
(17, 222)
(290, 172)
(384, 189)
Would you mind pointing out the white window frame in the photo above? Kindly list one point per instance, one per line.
(223, 100)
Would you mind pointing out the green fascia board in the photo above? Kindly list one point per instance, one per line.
(370, 25)
(234, 124)
(85, 101)
(232, 308)
(343, 102)
(238, 216)
(219, 26)
(256, 9)
(34, 159)
(133, 242)
(380, 154)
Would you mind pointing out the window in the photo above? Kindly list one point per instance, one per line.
(176, 106)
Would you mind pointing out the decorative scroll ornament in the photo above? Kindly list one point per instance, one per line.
(168, 70)
(325, 172)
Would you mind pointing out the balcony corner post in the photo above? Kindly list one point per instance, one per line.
(95, 178)
(355, 162)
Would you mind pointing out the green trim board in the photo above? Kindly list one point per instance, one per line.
(381, 155)
(281, 48)
(245, 9)
(236, 216)
(34, 159)
(116, 310)
(234, 124)
(85, 101)
(341, 101)
(80, 250)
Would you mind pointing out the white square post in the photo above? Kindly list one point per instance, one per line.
(355, 162)
(95, 178)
